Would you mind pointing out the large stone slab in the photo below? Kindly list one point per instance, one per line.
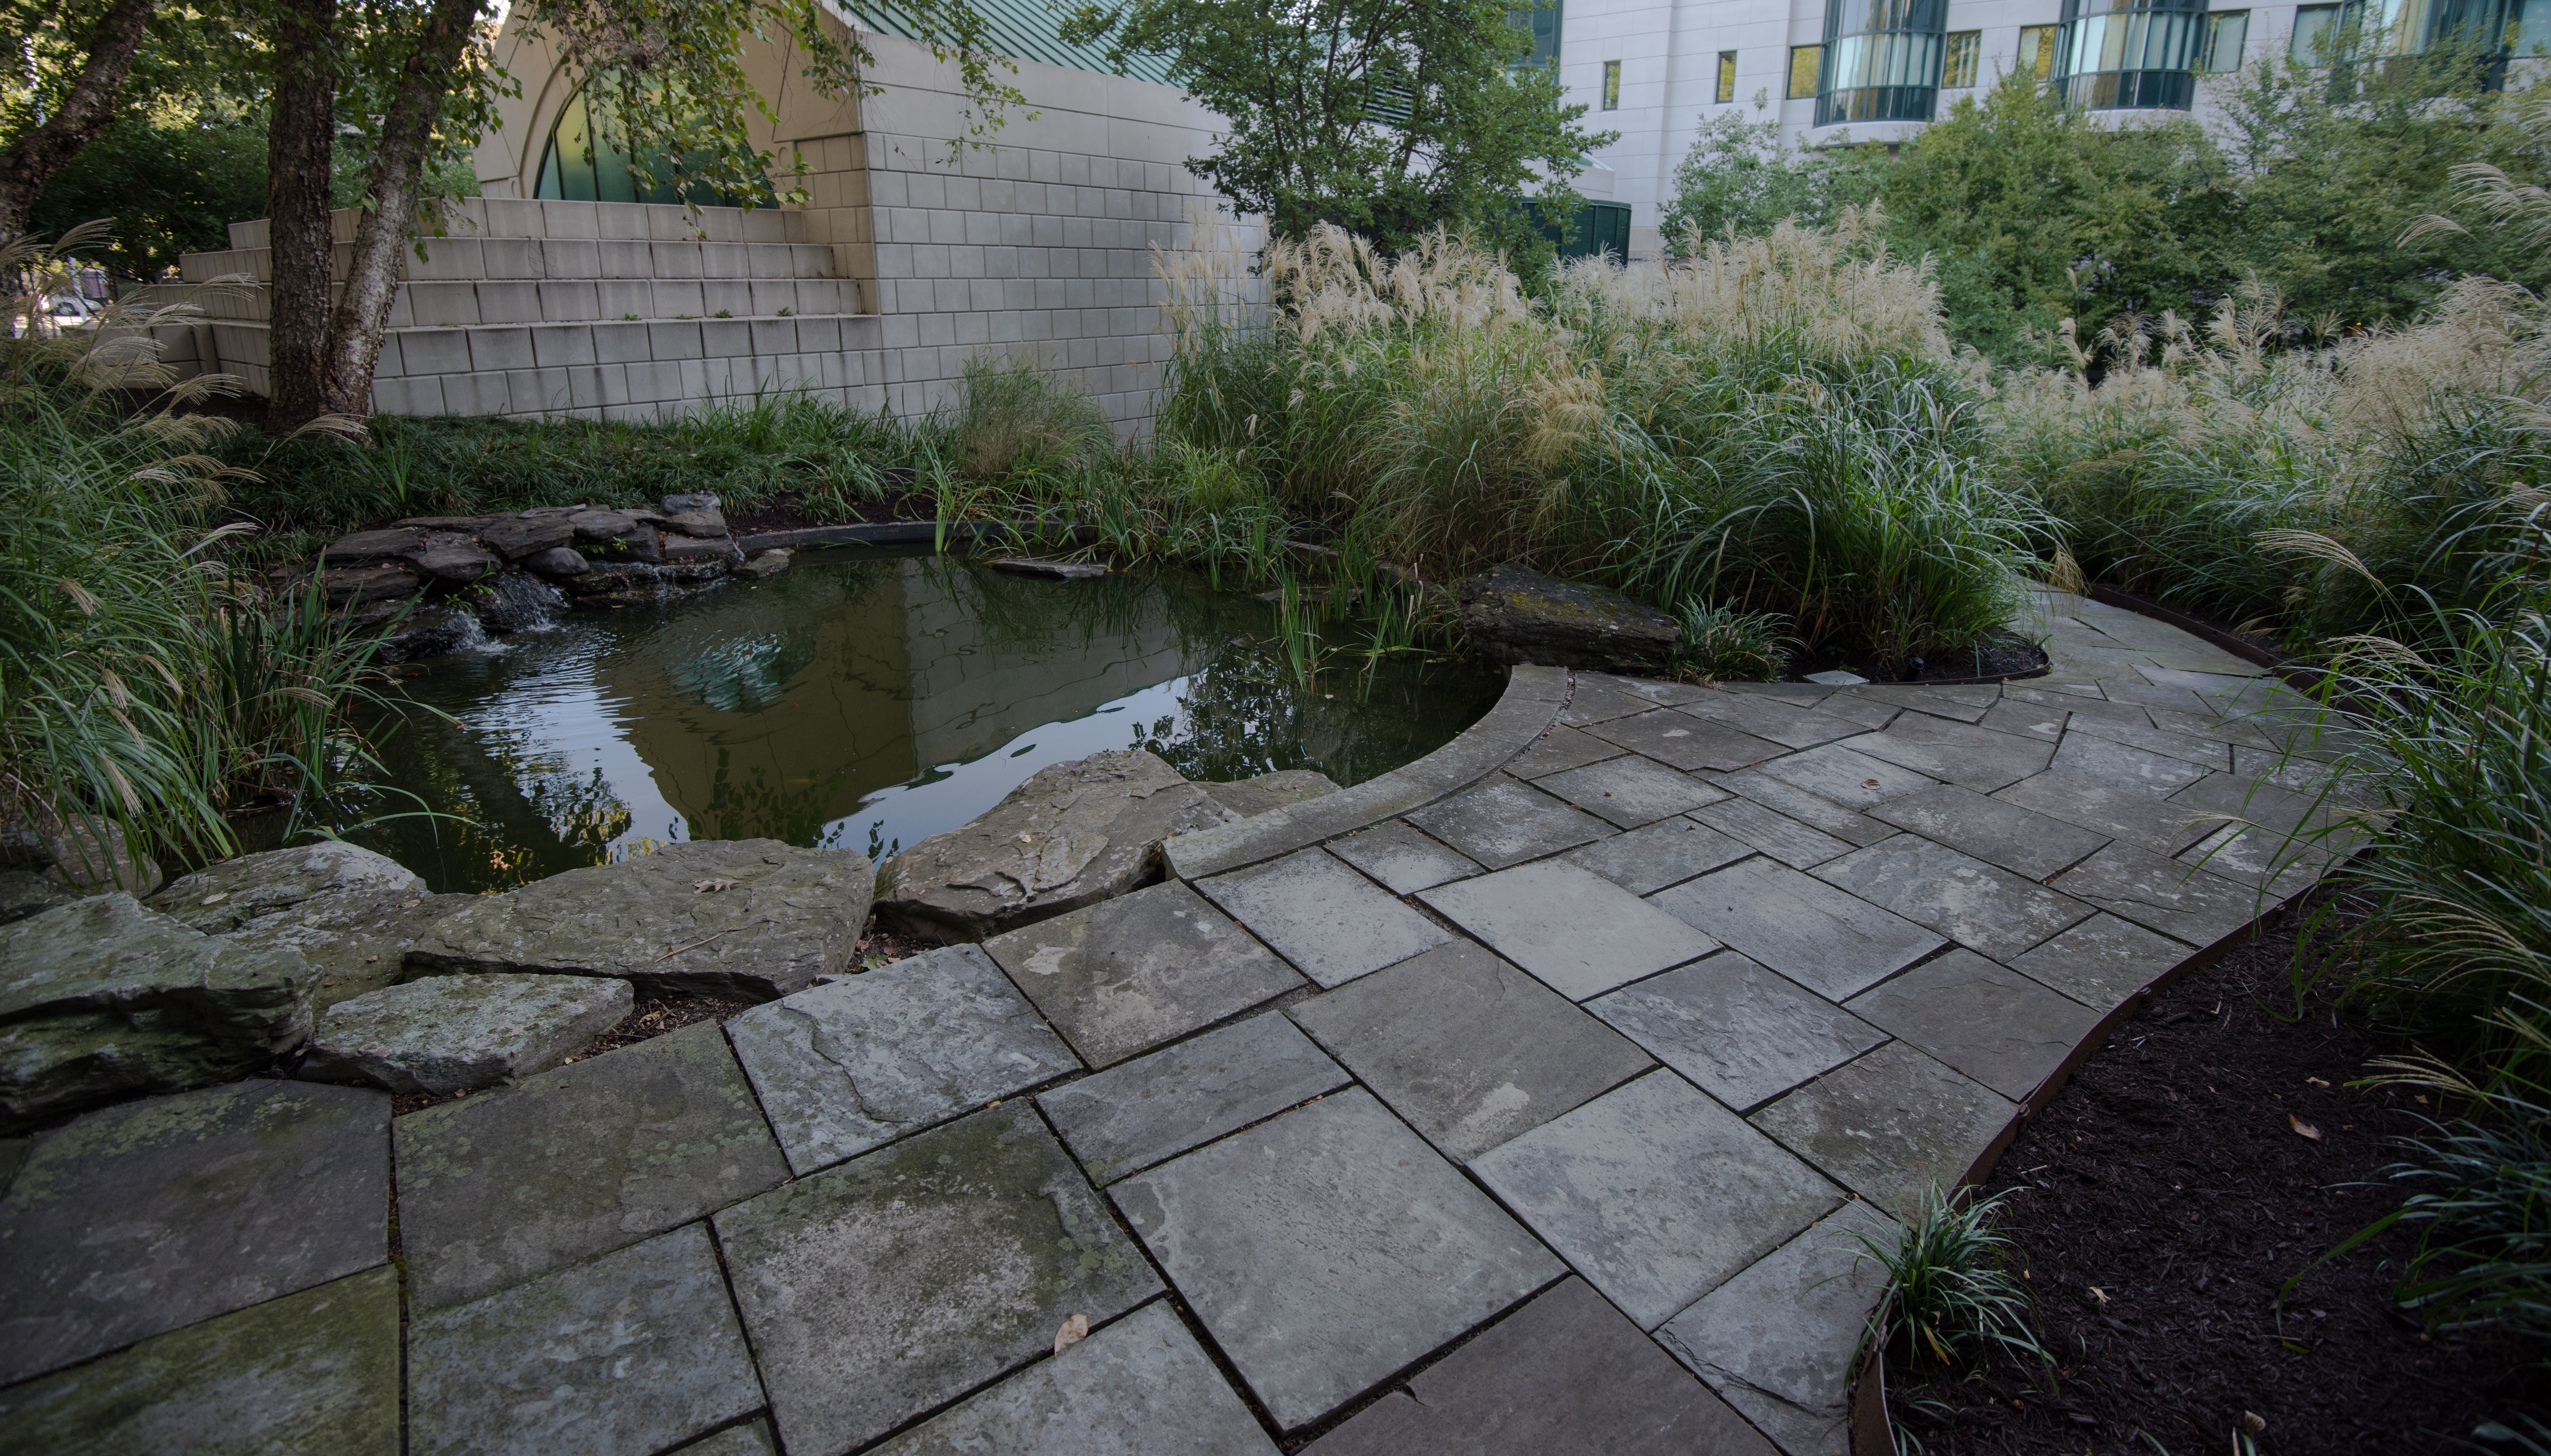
(1814, 810)
(1959, 753)
(1685, 742)
(2204, 753)
(1564, 1373)
(1780, 1340)
(1518, 616)
(356, 941)
(1272, 791)
(1800, 926)
(638, 1350)
(1664, 853)
(1966, 900)
(849, 1066)
(1561, 749)
(1331, 922)
(751, 917)
(1753, 827)
(2129, 816)
(2102, 961)
(1740, 1033)
(221, 898)
(1891, 1126)
(1403, 857)
(154, 1214)
(2123, 765)
(1593, 704)
(1655, 1193)
(2027, 843)
(23, 893)
(447, 1033)
(1846, 776)
(1255, 1231)
(1789, 724)
(105, 997)
(1123, 976)
(1154, 1107)
(891, 1284)
(1072, 834)
(311, 1374)
(1990, 1023)
(1630, 791)
(1500, 821)
(1580, 933)
(508, 1184)
(2182, 901)
(1140, 1384)
(753, 1438)
(1468, 1050)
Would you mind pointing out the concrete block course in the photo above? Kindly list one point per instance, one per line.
(1250, 1229)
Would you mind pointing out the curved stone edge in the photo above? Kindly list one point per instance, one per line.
(1529, 705)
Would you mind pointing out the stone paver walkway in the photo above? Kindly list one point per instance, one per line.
(1526, 1101)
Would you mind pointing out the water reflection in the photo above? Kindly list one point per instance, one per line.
(865, 702)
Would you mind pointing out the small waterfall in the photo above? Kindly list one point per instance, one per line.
(517, 601)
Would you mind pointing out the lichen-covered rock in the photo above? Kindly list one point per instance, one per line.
(754, 917)
(221, 898)
(517, 536)
(707, 522)
(1074, 834)
(451, 557)
(390, 543)
(351, 586)
(104, 998)
(765, 563)
(1516, 617)
(684, 550)
(445, 1033)
(24, 892)
(558, 561)
(1249, 798)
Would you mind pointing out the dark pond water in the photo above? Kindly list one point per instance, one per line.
(866, 703)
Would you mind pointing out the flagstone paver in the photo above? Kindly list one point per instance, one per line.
(1630, 792)
(1806, 930)
(1123, 976)
(1564, 1373)
(1579, 932)
(1303, 1251)
(1149, 1110)
(1332, 923)
(1990, 1023)
(503, 1185)
(879, 1290)
(1738, 1031)
(1502, 821)
(638, 1350)
(1140, 1384)
(312, 1374)
(1655, 1193)
(1404, 857)
(1666, 852)
(1964, 899)
(143, 1217)
(1467, 1049)
(1328, 1248)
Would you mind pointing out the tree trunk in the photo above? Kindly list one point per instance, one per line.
(28, 165)
(300, 149)
(355, 330)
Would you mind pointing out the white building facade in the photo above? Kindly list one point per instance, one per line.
(1879, 71)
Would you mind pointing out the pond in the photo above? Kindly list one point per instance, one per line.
(863, 700)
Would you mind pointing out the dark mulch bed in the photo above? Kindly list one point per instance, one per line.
(2161, 1201)
(656, 1015)
(787, 511)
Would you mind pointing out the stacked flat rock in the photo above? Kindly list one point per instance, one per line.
(1519, 617)
(449, 1034)
(1249, 798)
(750, 916)
(1072, 834)
(349, 912)
(104, 998)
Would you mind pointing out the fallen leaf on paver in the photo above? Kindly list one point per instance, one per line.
(1869, 783)
(711, 886)
(2304, 1128)
(1074, 1331)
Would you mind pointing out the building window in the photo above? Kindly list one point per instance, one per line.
(1966, 50)
(2132, 54)
(2227, 33)
(1726, 76)
(2317, 32)
(1611, 85)
(1542, 21)
(2037, 51)
(1805, 63)
(579, 164)
(1882, 61)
